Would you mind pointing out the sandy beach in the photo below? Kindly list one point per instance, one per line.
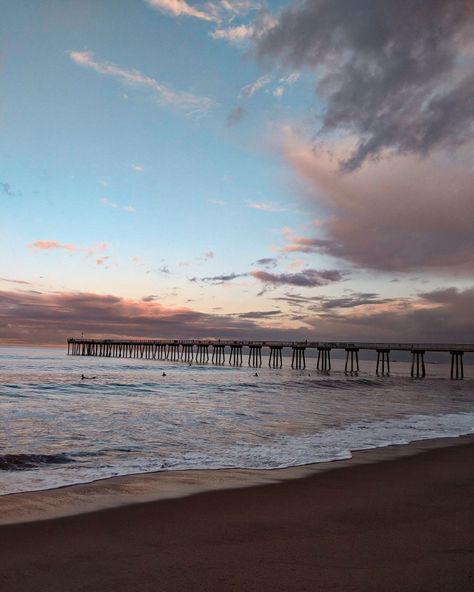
(393, 519)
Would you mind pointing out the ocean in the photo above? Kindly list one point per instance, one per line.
(57, 430)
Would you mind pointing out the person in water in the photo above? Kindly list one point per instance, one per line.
(88, 377)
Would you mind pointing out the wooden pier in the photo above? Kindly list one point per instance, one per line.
(198, 351)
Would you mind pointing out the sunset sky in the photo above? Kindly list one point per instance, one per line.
(237, 168)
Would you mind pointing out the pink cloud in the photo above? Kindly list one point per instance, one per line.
(51, 245)
(47, 245)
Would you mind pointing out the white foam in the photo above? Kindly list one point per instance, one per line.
(284, 451)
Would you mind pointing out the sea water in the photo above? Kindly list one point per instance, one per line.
(56, 429)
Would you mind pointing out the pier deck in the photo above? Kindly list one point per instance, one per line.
(197, 351)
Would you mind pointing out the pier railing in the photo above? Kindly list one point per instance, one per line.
(198, 351)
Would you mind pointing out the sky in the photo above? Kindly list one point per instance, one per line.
(238, 169)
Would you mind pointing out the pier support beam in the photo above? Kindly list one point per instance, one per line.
(353, 354)
(382, 359)
(235, 358)
(324, 359)
(418, 363)
(298, 359)
(202, 353)
(275, 360)
(218, 354)
(255, 356)
(187, 352)
(457, 368)
(173, 352)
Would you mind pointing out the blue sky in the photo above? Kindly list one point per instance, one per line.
(164, 153)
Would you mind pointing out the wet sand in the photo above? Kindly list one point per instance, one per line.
(383, 521)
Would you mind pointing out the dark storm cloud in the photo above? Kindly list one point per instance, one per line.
(397, 74)
(310, 278)
(399, 214)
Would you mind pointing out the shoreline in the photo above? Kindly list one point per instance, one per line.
(141, 488)
(394, 522)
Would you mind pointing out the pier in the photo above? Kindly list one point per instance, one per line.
(199, 351)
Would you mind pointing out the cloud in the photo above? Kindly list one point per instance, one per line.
(236, 35)
(300, 244)
(290, 79)
(6, 189)
(259, 314)
(353, 301)
(150, 298)
(243, 33)
(111, 204)
(180, 8)
(439, 316)
(397, 75)
(102, 260)
(218, 279)
(216, 202)
(265, 206)
(250, 89)
(445, 315)
(211, 11)
(48, 245)
(285, 81)
(401, 214)
(22, 282)
(51, 245)
(138, 167)
(309, 278)
(267, 262)
(209, 255)
(193, 105)
(235, 116)
(32, 318)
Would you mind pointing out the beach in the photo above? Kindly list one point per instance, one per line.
(398, 518)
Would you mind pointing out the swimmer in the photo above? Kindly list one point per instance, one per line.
(88, 377)
(256, 374)
(164, 374)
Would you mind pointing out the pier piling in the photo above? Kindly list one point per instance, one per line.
(218, 354)
(353, 354)
(324, 359)
(418, 363)
(457, 364)
(255, 356)
(382, 360)
(275, 360)
(298, 360)
(202, 353)
(235, 357)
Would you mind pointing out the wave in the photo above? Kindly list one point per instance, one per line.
(25, 462)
